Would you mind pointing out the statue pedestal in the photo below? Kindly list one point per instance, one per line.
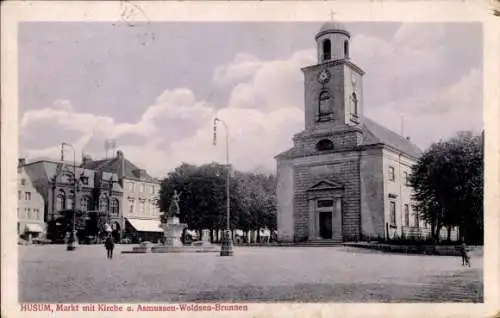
(173, 232)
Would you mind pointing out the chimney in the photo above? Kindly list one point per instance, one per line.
(21, 162)
(121, 164)
(86, 159)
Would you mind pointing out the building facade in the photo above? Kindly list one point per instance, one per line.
(346, 177)
(30, 209)
(65, 186)
(139, 215)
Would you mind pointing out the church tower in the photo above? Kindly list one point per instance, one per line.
(333, 87)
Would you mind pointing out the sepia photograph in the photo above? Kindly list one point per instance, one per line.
(187, 166)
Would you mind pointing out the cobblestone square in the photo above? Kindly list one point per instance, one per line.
(301, 274)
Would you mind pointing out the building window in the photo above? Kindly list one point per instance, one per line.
(131, 186)
(392, 174)
(346, 49)
(327, 50)
(35, 214)
(141, 207)
(69, 201)
(114, 206)
(354, 100)
(85, 180)
(131, 204)
(392, 206)
(27, 196)
(103, 204)
(20, 195)
(28, 213)
(18, 213)
(417, 220)
(324, 106)
(23, 182)
(142, 188)
(407, 215)
(60, 200)
(324, 144)
(407, 178)
(324, 203)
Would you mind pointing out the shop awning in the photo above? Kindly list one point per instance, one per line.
(141, 225)
(34, 228)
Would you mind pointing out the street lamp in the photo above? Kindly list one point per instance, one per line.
(72, 241)
(227, 243)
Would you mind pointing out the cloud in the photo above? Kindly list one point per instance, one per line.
(405, 76)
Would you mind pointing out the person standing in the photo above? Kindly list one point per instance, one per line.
(110, 245)
(465, 256)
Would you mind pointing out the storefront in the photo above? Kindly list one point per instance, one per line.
(140, 230)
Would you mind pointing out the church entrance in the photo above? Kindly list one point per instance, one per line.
(325, 225)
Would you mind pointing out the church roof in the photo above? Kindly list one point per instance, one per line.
(333, 27)
(374, 133)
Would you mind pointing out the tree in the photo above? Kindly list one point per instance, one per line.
(448, 185)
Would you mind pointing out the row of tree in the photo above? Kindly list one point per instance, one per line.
(448, 185)
(203, 197)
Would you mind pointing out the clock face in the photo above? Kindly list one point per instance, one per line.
(324, 76)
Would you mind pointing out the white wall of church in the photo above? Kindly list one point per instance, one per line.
(285, 199)
(397, 193)
(372, 198)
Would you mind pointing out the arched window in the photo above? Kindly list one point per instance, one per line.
(346, 49)
(354, 99)
(69, 201)
(324, 144)
(103, 204)
(324, 105)
(60, 199)
(114, 207)
(327, 50)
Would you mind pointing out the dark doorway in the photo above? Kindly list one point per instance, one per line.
(325, 225)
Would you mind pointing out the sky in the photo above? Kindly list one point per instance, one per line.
(155, 87)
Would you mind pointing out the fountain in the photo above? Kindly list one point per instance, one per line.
(172, 231)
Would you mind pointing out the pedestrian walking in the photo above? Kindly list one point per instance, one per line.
(110, 245)
(465, 256)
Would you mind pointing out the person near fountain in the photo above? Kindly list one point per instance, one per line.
(110, 245)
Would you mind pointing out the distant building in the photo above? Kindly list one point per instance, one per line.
(30, 210)
(140, 214)
(95, 191)
(346, 177)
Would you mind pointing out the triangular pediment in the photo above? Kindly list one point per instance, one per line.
(326, 185)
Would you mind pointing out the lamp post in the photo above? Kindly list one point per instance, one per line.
(72, 241)
(227, 243)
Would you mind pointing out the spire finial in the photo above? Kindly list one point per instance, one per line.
(332, 13)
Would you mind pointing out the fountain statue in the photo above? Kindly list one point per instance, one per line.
(172, 229)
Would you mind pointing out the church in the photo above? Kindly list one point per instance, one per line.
(346, 177)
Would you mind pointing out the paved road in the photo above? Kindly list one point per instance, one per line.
(334, 274)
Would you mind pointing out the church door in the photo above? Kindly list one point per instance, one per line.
(325, 225)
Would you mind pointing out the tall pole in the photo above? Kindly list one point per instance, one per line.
(72, 243)
(227, 244)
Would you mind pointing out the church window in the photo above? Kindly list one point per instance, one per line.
(346, 49)
(325, 203)
(407, 178)
(355, 101)
(392, 211)
(407, 215)
(392, 175)
(324, 144)
(327, 50)
(324, 106)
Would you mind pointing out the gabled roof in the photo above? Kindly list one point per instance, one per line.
(113, 165)
(326, 185)
(374, 133)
